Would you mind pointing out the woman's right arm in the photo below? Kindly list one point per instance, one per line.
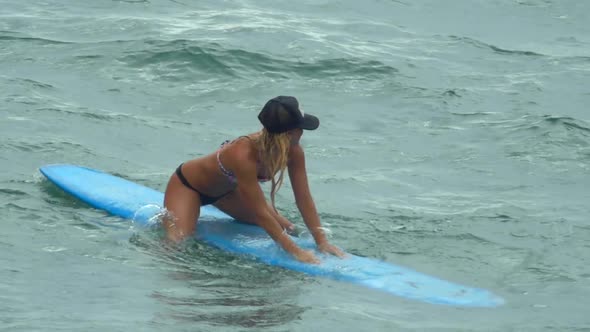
(250, 191)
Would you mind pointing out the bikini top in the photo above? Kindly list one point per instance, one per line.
(229, 174)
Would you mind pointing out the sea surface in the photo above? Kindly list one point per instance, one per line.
(454, 140)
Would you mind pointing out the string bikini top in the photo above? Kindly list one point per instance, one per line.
(229, 174)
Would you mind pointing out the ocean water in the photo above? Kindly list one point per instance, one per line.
(454, 139)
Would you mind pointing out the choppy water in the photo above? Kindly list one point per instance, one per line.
(455, 140)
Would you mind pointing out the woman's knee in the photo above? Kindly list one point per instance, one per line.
(176, 229)
(182, 209)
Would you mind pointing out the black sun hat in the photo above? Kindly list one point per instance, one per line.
(282, 114)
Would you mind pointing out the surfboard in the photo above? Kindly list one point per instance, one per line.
(130, 200)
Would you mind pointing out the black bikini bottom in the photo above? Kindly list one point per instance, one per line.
(205, 199)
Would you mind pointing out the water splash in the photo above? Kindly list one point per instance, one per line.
(149, 215)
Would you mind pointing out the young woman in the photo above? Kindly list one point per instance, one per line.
(230, 180)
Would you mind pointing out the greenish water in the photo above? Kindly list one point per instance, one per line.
(454, 139)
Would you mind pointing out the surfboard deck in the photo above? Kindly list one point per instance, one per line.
(129, 200)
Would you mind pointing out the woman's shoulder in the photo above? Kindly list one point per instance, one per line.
(296, 150)
(296, 156)
(241, 150)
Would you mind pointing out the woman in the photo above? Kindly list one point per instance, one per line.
(229, 179)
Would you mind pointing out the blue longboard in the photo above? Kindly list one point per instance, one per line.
(133, 201)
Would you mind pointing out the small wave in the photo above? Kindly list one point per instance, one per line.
(86, 113)
(451, 93)
(548, 272)
(108, 116)
(12, 192)
(539, 123)
(474, 114)
(44, 146)
(89, 57)
(464, 237)
(560, 140)
(567, 56)
(532, 3)
(346, 67)
(53, 249)
(568, 122)
(501, 217)
(514, 52)
(12, 36)
(27, 82)
(172, 59)
(13, 206)
(496, 49)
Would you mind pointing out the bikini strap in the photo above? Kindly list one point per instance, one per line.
(224, 170)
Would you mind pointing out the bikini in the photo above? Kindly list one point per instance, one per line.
(229, 174)
(206, 199)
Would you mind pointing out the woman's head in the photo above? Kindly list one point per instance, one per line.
(295, 135)
(282, 114)
(283, 123)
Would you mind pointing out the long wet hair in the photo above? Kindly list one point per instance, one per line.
(273, 150)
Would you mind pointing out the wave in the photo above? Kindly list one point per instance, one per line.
(560, 140)
(43, 146)
(480, 44)
(537, 122)
(180, 57)
(552, 124)
(509, 52)
(569, 123)
(87, 114)
(13, 36)
(28, 82)
(108, 116)
(12, 192)
(515, 52)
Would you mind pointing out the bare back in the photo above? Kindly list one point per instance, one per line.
(207, 173)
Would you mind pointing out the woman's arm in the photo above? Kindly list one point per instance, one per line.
(251, 193)
(304, 200)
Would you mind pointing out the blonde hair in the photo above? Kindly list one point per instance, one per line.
(273, 150)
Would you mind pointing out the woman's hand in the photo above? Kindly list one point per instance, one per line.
(286, 225)
(330, 249)
(306, 256)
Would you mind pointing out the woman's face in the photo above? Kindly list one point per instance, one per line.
(296, 135)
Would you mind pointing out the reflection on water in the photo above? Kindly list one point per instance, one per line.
(209, 286)
(230, 310)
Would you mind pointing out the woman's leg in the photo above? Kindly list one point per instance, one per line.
(183, 206)
(234, 206)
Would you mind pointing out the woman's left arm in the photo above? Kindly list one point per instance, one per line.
(304, 200)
